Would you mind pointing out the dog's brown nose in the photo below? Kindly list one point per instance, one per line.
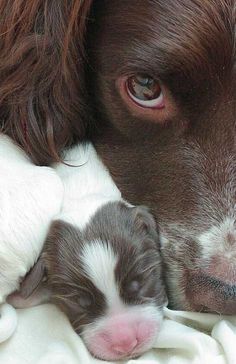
(210, 294)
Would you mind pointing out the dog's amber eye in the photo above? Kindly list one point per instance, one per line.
(145, 91)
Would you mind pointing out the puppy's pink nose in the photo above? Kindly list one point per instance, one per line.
(125, 347)
(122, 339)
(123, 336)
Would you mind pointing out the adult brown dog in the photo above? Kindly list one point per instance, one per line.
(152, 83)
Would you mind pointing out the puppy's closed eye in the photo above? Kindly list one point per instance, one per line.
(77, 302)
(85, 300)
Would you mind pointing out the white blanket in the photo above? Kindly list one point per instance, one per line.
(43, 335)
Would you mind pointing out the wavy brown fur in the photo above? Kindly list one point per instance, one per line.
(41, 52)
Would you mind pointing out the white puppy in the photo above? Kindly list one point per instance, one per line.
(30, 196)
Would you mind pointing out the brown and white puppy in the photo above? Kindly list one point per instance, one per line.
(100, 263)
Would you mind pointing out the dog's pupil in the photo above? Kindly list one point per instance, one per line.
(144, 88)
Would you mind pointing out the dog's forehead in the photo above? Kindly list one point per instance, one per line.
(166, 36)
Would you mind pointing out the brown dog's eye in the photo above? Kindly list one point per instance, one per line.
(145, 91)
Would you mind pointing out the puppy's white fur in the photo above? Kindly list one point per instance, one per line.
(30, 196)
(99, 262)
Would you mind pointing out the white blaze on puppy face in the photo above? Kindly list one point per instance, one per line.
(124, 330)
(99, 261)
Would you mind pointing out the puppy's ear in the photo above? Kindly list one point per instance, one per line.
(144, 221)
(33, 290)
(33, 279)
(60, 249)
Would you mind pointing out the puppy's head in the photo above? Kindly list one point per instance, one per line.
(107, 279)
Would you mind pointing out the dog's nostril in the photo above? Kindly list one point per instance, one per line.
(229, 291)
(211, 294)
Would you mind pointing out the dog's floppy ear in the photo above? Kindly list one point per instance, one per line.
(33, 289)
(46, 56)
